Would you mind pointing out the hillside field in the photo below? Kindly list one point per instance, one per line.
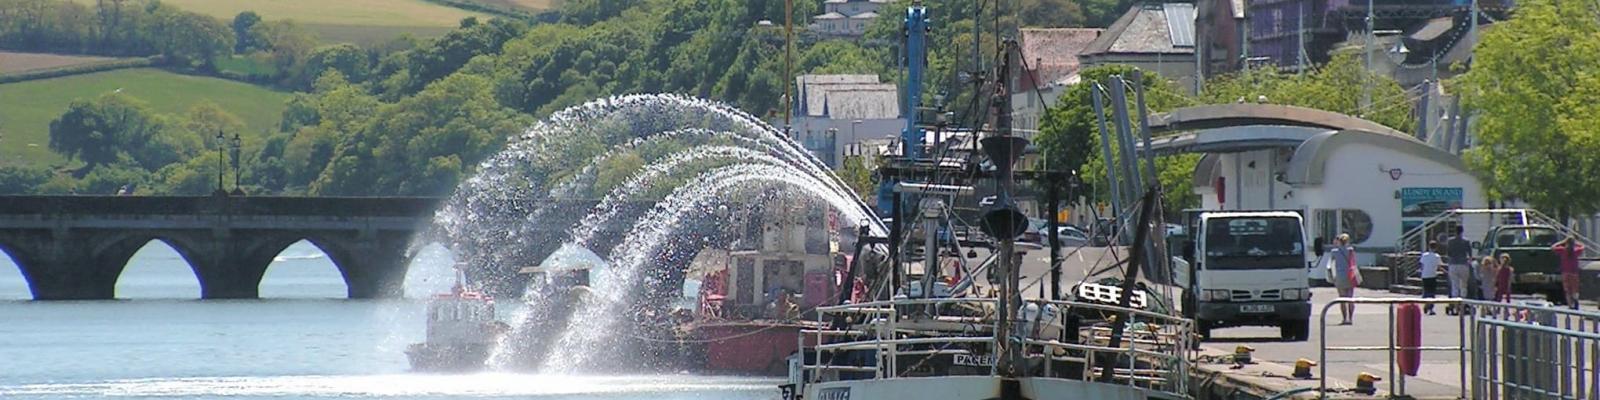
(26, 108)
(12, 62)
(358, 21)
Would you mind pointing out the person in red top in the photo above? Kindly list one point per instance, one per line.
(1568, 252)
(1502, 279)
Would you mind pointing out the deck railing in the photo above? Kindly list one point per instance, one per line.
(891, 339)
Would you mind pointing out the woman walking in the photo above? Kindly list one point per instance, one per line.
(1346, 276)
(1502, 279)
(1568, 251)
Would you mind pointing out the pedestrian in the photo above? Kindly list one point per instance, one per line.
(1430, 263)
(1488, 277)
(1502, 278)
(1346, 276)
(1568, 252)
(1458, 255)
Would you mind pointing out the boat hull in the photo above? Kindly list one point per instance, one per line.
(977, 388)
(451, 358)
(748, 348)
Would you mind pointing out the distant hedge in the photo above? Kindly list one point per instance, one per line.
(508, 12)
(80, 69)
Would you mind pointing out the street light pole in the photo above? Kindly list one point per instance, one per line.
(222, 167)
(236, 163)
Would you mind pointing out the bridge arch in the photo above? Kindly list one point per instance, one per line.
(119, 255)
(15, 284)
(289, 274)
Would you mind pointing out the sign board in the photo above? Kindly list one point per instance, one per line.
(1428, 202)
(986, 360)
(837, 393)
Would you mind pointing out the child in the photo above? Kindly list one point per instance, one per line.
(1430, 264)
(1502, 279)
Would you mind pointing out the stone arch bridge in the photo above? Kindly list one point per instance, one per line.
(75, 247)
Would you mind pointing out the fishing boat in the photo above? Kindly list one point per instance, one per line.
(751, 300)
(462, 331)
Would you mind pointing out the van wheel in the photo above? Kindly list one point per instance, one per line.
(1297, 331)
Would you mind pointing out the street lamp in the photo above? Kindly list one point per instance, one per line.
(222, 167)
(236, 162)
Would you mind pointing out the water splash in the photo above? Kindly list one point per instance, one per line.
(544, 191)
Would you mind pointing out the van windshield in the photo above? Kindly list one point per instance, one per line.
(1254, 243)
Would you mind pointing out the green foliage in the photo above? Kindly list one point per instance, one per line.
(1069, 134)
(1533, 87)
(242, 28)
(79, 69)
(350, 61)
(861, 180)
(97, 132)
(17, 179)
(119, 28)
(1335, 86)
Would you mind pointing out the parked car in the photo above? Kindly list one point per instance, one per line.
(1072, 237)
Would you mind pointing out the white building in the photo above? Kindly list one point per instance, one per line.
(1346, 175)
(832, 113)
(846, 17)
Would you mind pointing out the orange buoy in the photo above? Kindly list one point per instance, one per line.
(1408, 335)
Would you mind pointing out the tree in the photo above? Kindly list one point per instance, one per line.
(348, 59)
(1051, 14)
(192, 40)
(96, 131)
(1533, 91)
(242, 31)
(853, 171)
(1069, 135)
(1334, 86)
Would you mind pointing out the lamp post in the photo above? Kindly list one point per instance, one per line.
(222, 167)
(236, 163)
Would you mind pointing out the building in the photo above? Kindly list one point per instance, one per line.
(1300, 33)
(1152, 37)
(834, 112)
(1051, 60)
(846, 18)
(1345, 174)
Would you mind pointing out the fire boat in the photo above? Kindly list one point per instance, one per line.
(462, 331)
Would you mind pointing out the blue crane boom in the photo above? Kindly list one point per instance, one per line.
(915, 54)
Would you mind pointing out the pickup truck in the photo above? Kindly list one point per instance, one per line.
(1537, 268)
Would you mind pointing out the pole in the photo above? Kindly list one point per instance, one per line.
(1144, 126)
(1119, 109)
(895, 232)
(1366, 52)
(1053, 198)
(1105, 151)
(788, 62)
(916, 29)
(222, 168)
(1423, 112)
(1129, 278)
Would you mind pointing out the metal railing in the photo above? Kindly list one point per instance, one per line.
(1153, 354)
(1508, 351)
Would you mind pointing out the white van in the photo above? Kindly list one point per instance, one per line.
(1248, 268)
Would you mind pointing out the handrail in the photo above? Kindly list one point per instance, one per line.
(1479, 314)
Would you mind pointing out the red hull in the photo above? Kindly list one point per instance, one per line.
(749, 347)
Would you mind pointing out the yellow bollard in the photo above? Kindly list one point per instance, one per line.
(1241, 356)
(1302, 368)
(1364, 384)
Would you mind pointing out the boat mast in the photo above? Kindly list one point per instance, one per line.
(1004, 221)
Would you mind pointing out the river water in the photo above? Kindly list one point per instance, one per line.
(301, 340)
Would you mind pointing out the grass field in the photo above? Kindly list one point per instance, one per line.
(26, 108)
(343, 20)
(525, 5)
(22, 62)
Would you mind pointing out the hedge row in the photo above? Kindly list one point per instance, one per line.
(80, 69)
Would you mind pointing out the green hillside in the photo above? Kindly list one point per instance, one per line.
(26, 108)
